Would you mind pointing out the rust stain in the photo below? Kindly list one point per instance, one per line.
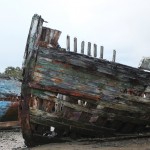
(56, 80)
(37, 67)
(48, 105)
(43, 44)
(65, 65)
(66, 92)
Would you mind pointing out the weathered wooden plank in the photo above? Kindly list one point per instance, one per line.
(100, 80)
(49, 37)
(62, 123)
(98, 65)
(123, 106)
(64, 91)
(69, 71)
(62, 82)
(114, 56)
(82, 47)
(116, 111)
(54, 120)
(127, 99)
(107, 98)
(89, 49)
(9, 124)
(95, 50)
(68, 43)
(55, 37)
(33, 37)
(101, 52)
(75, 45)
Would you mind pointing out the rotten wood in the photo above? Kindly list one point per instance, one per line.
(75, 45)
(101, 52)
(89, 49)
(54, 120)
(95, 50)
(117, 114)
(114, 56)
(78, 93)
(68, 43)
(82, 47)
(102, 71)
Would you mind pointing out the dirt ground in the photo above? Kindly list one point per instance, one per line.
(12, 140)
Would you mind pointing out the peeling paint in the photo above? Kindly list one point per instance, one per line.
(78, 94)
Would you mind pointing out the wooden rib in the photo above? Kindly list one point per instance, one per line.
(101, 52)
(89, 49)
(114, 56)
(68, 43)
(82, 47)
(95, 50)
(75, 45)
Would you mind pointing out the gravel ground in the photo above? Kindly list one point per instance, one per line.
(134, 144)
(12, 140)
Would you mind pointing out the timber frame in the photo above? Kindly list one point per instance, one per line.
(65, 93)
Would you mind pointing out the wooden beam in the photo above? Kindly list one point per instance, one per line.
(55, 74)
(82, 47)
(114, 56)
(75, 45)
(89, 49)
(68, 43)
(101, 52)
(116, 113)
(95, 50)
(54, 120)
(9, 124)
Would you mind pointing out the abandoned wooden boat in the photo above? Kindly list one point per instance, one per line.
(10, 90)
(65, 93)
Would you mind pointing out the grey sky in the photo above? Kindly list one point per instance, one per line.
(123, 25)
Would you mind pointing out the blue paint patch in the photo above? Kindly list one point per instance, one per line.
(4, 106)
(9, 86)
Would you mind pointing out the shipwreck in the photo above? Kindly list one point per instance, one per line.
(70, 94)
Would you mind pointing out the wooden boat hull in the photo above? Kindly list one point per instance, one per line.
(8, 111)
(65, 93)
(9, 96)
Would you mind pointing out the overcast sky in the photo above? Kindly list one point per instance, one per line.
(123, 25)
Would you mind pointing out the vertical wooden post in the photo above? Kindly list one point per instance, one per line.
(114, 56)
(75, 45)
(82, 47)
(68, 43)
(101, 52)
(89, 49)
(95, 50)
(47, 36)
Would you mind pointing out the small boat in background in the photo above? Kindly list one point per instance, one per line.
(9, 96)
